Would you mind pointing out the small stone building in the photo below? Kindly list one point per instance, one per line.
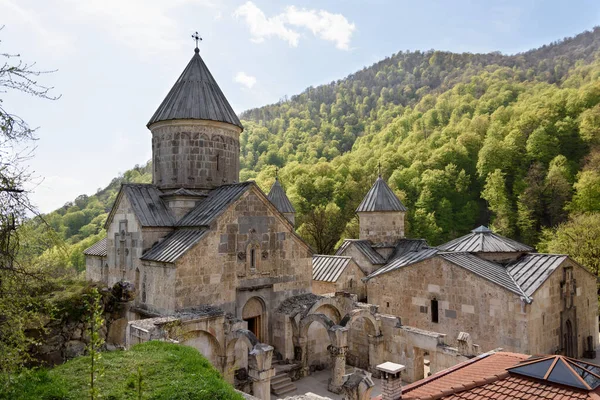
(500, 291)
(338, 274)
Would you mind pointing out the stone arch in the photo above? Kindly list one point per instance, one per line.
(361, 313)
(363, 328)
(207, 344)
(254, 313)
(342, 305)
(331, 311)
(244, 335)
(320, 318)
(238, 346)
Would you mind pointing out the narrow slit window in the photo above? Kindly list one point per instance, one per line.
(217, 162)
(434, 311)
(252, 258)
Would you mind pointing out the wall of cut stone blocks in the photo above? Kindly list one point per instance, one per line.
(548, 302)
(217, 270)
(94, 266)
(492, 315)
(381, 227)
(195, 154)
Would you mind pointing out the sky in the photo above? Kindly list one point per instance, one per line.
(115, 60)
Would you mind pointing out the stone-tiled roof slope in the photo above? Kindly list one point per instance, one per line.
(483, 240)
(405, 260)
(174, 245)
(380, 198)
(483, 368)
(97, 249)
(279, 199)
(532, 270)
(329, 268)
(147, 205)
(215, 204)
(489, 270)
(365, 248)
(196, 95)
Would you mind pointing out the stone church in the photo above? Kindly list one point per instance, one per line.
(502, 292)
(196, 235)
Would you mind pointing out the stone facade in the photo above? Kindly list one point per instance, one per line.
(194, 154)
(494, 316)
(381, 227)
(350, 281)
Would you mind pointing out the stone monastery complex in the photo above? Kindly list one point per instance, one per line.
(217, 265)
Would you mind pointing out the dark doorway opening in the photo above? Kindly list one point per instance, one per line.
(254, 326)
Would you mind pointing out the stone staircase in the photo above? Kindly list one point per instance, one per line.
(281, 383)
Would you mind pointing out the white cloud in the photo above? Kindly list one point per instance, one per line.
(331, 27)
(262, 27)
(245, 79)
(323, 24)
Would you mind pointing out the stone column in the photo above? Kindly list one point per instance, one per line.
(391, 380)
(375, 354)
(260, 371)
(338, 349)
(226, 363)
(302, 356)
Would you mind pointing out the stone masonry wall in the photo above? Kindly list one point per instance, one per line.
(154, 282)
(195, 154)
(349, 281)
(544, 316)
(218, 271)
(492, 315)
(381, 227)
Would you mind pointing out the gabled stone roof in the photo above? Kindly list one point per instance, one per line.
(174, 245)
(329, 268)
(97, 249)
(483, 240)
(380, 198)
(147, 205)
(196, 95)
(279, 199)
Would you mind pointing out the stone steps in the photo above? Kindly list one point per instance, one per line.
(282, 384)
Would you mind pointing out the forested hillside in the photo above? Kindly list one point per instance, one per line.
(464, 139)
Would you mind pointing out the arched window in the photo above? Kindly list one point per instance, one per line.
(434, 311)
(253, 257)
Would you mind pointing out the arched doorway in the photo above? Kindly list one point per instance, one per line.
(255, 315)
(568, 340)
(358, 342)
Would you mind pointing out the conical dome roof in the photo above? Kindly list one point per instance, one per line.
(380, 198)
(196, 95)
(279, 199)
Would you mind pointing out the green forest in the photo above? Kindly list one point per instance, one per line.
(510, 141)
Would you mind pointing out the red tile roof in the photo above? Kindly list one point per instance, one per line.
(486, 377)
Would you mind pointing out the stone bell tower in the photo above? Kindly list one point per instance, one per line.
(195, 133)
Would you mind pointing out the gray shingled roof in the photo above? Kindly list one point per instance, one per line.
(405, 260)
(174, 245)
(196, 95)
(365, 248)
(216, 202)
(329, 268)
(97, 249)
(489, 270)
(483, 240)
(279, 199)
(404, 246)
(147, 205)
(532, 270)
(380, 198)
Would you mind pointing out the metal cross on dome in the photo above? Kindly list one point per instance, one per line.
(197, 38)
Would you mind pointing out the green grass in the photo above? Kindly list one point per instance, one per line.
(169, 371)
